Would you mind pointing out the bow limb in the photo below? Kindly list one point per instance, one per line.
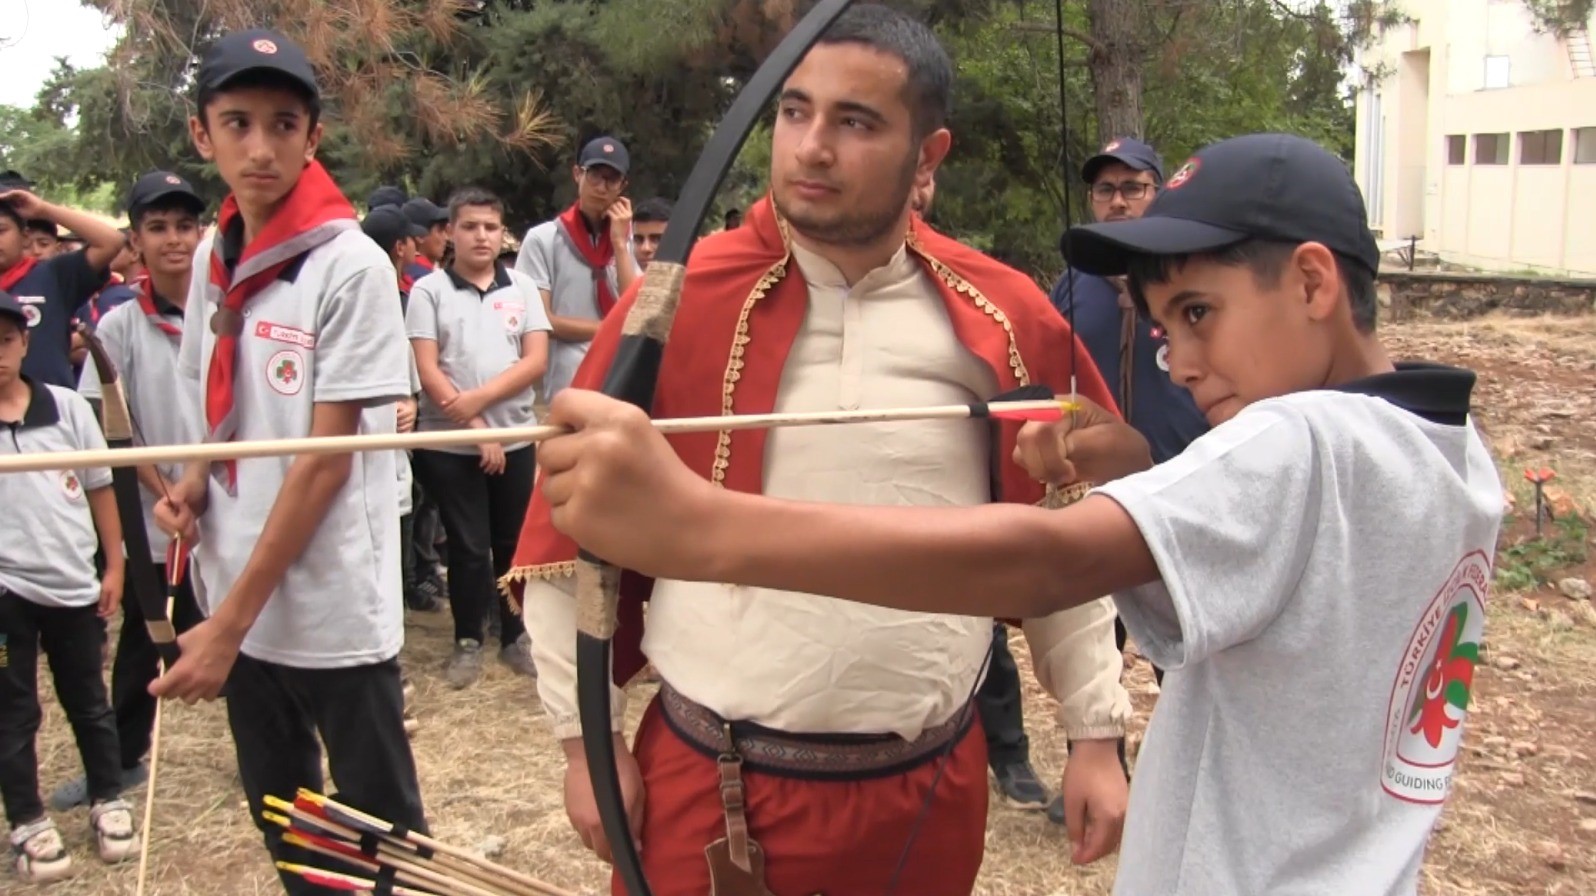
(143, 577)
(632, 377)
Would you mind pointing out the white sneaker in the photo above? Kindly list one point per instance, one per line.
(41, 857)
(112, 823)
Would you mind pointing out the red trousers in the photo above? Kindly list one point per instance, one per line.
(820, 837)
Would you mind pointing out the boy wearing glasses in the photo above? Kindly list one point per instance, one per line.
(581, 262)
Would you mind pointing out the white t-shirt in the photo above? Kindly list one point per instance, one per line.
(331, 333)
(549, 259)
(1318, 552)
(145, 358)
(48, 541)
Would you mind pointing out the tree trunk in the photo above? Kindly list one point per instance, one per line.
(1115, 64)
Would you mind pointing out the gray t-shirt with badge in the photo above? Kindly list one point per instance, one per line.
(328, 332)
(478, 333)
(1325, 559)
(47, 544)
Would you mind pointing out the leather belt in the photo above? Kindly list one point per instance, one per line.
(833, 757)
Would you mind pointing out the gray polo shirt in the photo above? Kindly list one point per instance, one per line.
(327, 330)
(145, 358)
(47, 544)
(548, 257)
(478, 333)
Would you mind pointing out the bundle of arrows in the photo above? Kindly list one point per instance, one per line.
(386, 857)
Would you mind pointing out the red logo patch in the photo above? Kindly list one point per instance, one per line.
(264, 46)
(1184, 174)
(1111, 147)
(609, 147)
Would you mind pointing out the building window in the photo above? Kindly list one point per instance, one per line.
(1497, 69)
(1490, 149)
(1456, 149)
(1585, 146)
(1540, 148)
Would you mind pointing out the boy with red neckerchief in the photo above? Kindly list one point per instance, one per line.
(292, 332)
(582, 260)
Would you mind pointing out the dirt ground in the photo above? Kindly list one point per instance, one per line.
(1522, 820)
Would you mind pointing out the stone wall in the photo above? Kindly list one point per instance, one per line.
(1410, 295)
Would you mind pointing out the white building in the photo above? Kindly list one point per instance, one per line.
(1478, 136)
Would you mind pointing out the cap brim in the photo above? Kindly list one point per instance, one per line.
(414, 230)
(1106, 249)
(220, 81)
(606, 163)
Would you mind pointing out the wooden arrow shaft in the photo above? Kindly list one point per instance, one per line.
(456, 438)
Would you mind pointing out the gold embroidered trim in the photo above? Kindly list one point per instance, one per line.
(734, 363)
(964, 287)
(1063, 497)
(524, 574)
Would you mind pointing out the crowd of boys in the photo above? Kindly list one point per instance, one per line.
(1228, 359)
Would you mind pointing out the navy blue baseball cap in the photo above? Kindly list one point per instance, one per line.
(605, 151)
(425, 213)
(158, 185)
(10, 307)
(1127, 151)
(386, 195)
(1259, 186)
(387, 225)
(11, 179)
(256, 49)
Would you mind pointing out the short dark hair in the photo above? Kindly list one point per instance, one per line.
(1267, 261)
(16, 217)
(43, 225)
(262, 78)
(928, 90)
(473, 196)
(656, 209)
(171, 202)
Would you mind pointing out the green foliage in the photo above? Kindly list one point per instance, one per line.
(660, 76)
(1535, 562)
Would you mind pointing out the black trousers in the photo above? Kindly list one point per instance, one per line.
(426, 531)
(137, 664)
(276, 713)
(73, 641)
(1001, 707)
(482, 518)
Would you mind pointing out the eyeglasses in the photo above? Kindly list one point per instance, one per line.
(1132, 190)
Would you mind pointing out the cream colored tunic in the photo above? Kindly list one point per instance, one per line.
(804, 663)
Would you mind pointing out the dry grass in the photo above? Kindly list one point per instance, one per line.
(488, 766)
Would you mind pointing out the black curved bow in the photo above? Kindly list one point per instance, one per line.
(632, 377)
(143, 579)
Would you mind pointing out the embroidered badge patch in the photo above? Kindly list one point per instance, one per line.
(264, 46)
(1430, 696)
(285, 371)
(71, 486)
(1184, 174)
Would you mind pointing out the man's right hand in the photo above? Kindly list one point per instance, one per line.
(581, 807)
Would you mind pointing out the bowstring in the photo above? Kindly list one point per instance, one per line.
(1069, 174)
(1069, 298)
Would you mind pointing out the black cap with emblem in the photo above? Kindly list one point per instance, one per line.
(159, 185)
(1259, 186)
(605, 151)
(257, 49)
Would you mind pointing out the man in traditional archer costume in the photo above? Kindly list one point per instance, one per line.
(859, 755)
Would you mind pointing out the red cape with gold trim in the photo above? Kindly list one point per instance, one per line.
(742, 287)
